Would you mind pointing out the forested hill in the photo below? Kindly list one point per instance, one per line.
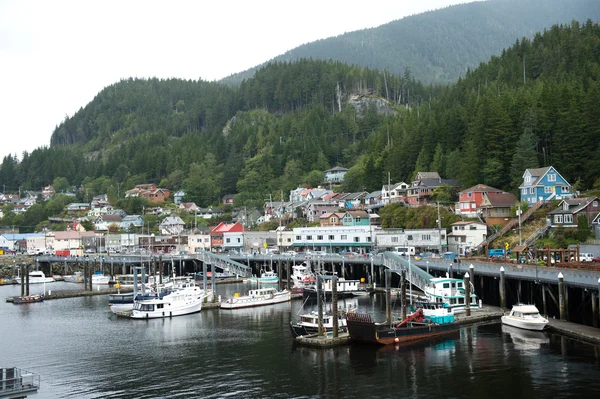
(439, 46)
(534, 105)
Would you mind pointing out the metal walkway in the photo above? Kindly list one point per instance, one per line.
(225, 263)
(414, 274)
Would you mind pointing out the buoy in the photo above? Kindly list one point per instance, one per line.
(396, 339)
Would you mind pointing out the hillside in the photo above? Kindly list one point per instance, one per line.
(440, 46)
(292, 121)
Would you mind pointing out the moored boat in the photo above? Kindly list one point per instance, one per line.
(450, 291)
(18, 300)
(415, 327)
(76, 277)
(100, 279)
(183, 300)
(36, 277)
(345, 288)
(257, 297)
(266, 277)
(527, 317)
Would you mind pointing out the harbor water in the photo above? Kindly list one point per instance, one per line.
(81, 350)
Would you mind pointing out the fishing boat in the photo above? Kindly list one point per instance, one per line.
(527, 317)
(36, 277)
(345, 288)
(413, 328)
(183, 300)
(308, 323)
(302, 277)
(450, 291)
(257, 297)
(76, 277)
(266, 277)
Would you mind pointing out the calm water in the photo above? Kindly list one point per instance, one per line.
(82, 351)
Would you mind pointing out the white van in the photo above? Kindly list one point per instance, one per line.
(584, 257)
(403, 251)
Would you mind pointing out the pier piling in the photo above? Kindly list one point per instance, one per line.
(502, 289)
(334, 305)
(388, 292)
(561, 297)
(467, 294)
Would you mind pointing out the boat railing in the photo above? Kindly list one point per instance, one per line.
(16, 382)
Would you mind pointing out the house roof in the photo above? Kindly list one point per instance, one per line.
(227, 227)
(337, 169)
(539, 173)
(374, 194)
(427, 175)
(478, 188)
(500, 200)
(111, 218)
(465, 223)
(355, 214)
(327, 215)
(172, 220)
(576, 205)
(72, 235)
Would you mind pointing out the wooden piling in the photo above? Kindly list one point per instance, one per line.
(319, 306)
(403, 294)
(160, 270)
(288, 274)
(561, 297)
(467, 294)
(22, 266)
(544, 299)
(388, 295)
(502, 289)
(279, 275)
(334, 305)
(594, 310)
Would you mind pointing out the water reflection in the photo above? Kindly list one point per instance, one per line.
(526, 340)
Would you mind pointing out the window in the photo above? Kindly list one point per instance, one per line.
(358, 219)
(368, 239)
(227, 241)
(395, 239)
(426, 237)
(524, 191)
(298, 238)
(334, 220)
(331, 237)
(558, 219)
(356, 239)
(595, 204)
(289, 239)
(446, 285)
(565, 189)
(552, 177)
(527, 179)
(547, 189)
(344, 237)
(409, 238)
(469, 194)
(532, 190)
(471, 227)
(568, 219)
(319, 238)
(309, 237)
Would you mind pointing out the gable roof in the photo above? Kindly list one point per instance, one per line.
(337, 169)
(575, 205)
(479, 188)
(427, 175)
(500, 200)
(539, 173)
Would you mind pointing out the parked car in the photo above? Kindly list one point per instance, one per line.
(584, 257)
(596, 259)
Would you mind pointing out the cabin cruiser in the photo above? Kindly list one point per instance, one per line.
(257, 297)
(184, 299)
(527, 317)
(36, 277)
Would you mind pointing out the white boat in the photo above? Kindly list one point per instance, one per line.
(527, 317)
(345, 288)
(76, 277)
(181, 301)
(450, 291)
(309, 324)
(302, 276)
(36, 277)
(266, 277)
(257, 297)
(100, 279)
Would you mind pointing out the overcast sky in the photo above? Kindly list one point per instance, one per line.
(55, 56)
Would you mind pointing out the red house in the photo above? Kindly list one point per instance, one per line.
(469, 200)
(216, 234)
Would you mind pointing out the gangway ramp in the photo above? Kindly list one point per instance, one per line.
(414, 274)
(225, 263)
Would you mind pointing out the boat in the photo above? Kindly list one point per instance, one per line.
(257, 297)
(308, 323)
(345, 288)
(181, 301)
(302, 277)
(266, 277)
(527, 317)
(76, 277)
(218, 275)
(416, 327)
(36, 277)
(100, 279)
(18, 300)
(450, 291)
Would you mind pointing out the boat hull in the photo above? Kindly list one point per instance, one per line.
(362, 328)
(159, 314)
(304, 330)
(242, 303)
(18, 300)
(525, 325)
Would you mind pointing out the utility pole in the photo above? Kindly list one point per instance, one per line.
(439, 220)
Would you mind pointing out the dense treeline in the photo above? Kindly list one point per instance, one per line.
(440, 46)
(534, 105)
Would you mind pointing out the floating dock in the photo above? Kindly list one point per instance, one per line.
(323, 341)
(576, 331)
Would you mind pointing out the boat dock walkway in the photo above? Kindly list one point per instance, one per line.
(575, 331)
(322, 341)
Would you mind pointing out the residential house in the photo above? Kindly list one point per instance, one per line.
(178, 197)
(188, 207)
(374, 200)
(335, 175)
(247, 217)
(544, 184)
(119, 212)
(74, 207)
(317, 194)
(149, 191)
(29, 201)
(570, 209)
(155, 210)
(132, 221)
(273, 209)
(19, 209)
(355, 218)
(108, 222)
(98, 211)
(496, 208)
(172, 225)
(315, 209)
(469, 200)
(217, 234)
(209, 213)
(391, 193)
(422, 188)
(352, 201)
(331, 219)
(465, 236)
(48, 192)
(100, 201)
(228, 199)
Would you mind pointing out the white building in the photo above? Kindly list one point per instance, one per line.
(466, 235)
(198, 242)
(233, 240)
(334, 239)
(424, 240)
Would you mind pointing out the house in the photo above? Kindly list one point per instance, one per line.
(374, 200)
(19, 209)
(132, 221)
(247, 217)
(394, 193)
(188, 207)
(172, 225)
(469, 200)
(570, 209)
(77, 207)
(119, 212)
(217, 234)
(100, 201)
(148, 191)
(465, 236)
(209, 213)
(424, 240)
(107, 222)
(331, 219)
(198, 242)
(102, 210)
(315, 209)
(228, 199)
(72, 241)
(335, 175)
(544, 184)
(422, 188)
(178, 197)
(48, 192)
(317, 194)
(355, 218)
(352, 201)
(495, 208)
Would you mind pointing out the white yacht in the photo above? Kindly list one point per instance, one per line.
(257, 297)
(185, 299)
(36, 277)
(527, 317)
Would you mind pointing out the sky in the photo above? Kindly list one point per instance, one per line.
(55, 56)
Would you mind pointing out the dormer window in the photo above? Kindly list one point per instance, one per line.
(528, 179)
(552, 177)
(565, 206)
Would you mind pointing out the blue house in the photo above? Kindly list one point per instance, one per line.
(543, 184)
(355, 218)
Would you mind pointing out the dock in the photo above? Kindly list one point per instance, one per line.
(322, 341)
(575, 331)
